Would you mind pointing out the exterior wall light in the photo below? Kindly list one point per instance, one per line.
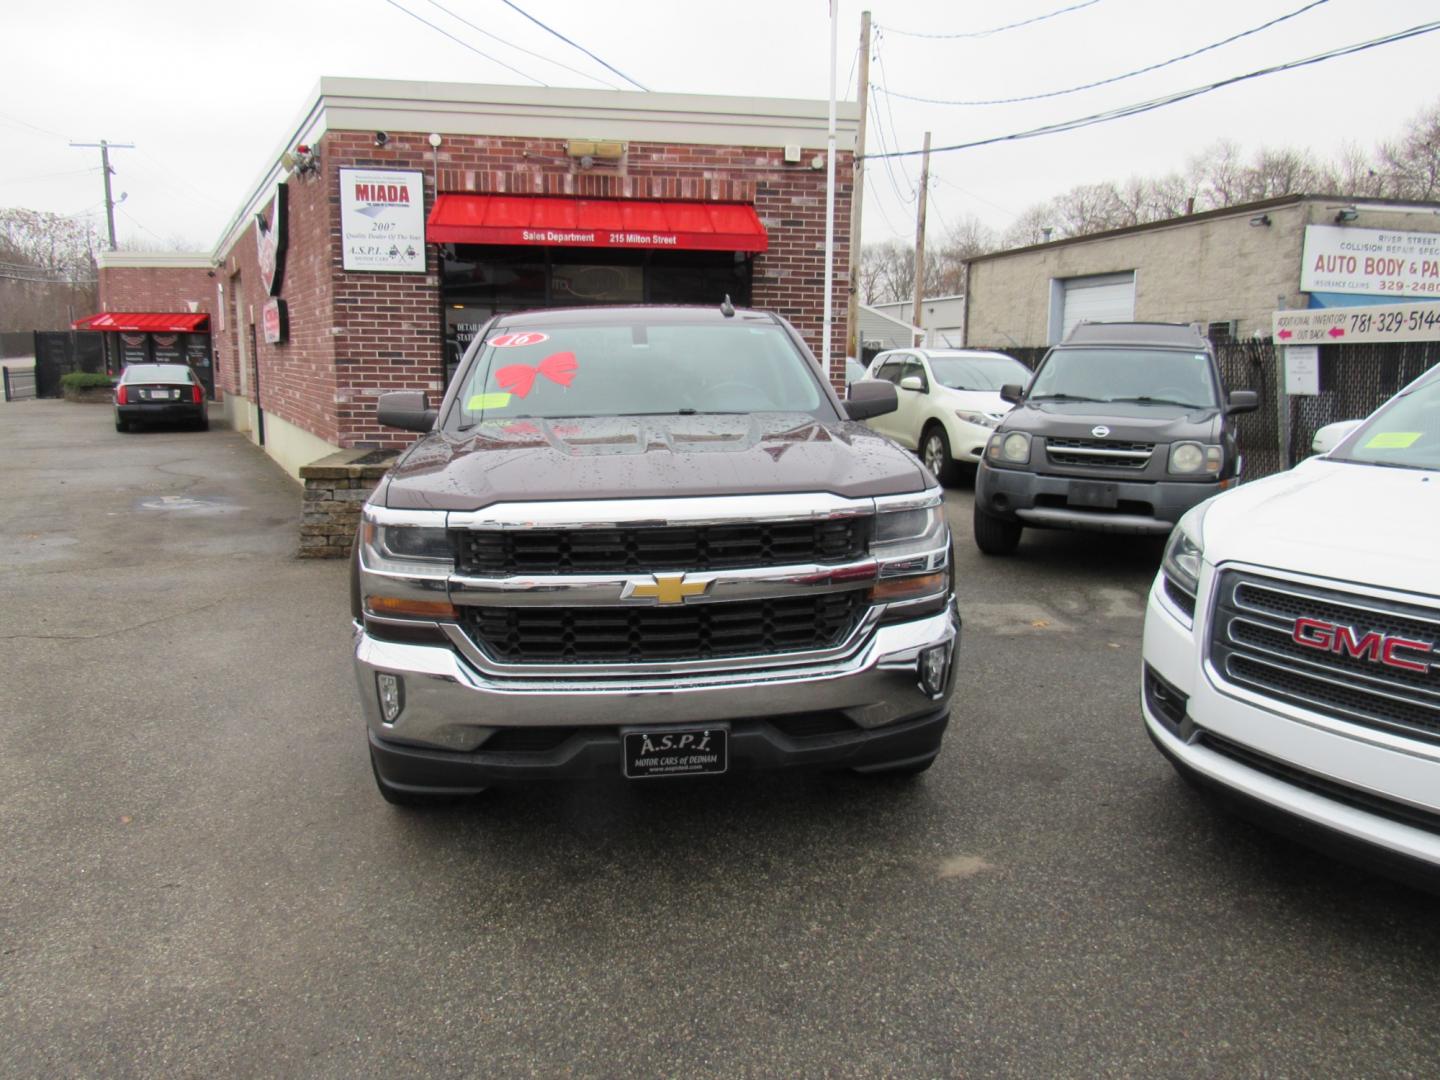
(1260, 219)
(1346, 213)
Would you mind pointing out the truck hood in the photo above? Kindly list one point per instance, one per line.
(1127, 422)
(1334, 519)
(635, 457)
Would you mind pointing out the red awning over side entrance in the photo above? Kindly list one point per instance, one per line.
(144, 322)
(601, 223)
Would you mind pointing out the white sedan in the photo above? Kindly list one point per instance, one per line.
(949, 402)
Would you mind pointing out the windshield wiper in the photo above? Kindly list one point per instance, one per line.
(1061, 397)
(1144, 400)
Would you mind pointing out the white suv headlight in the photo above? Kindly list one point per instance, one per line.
(979, 419)
(1184, 554)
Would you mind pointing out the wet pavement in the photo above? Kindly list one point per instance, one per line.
(199, 878)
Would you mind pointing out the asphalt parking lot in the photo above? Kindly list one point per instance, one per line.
(200, 879)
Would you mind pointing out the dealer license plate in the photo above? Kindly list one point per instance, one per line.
(1099, 496)
(675, 751)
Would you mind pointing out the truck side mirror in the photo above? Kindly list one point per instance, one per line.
(1242, 401)
(869, 399)
(1012, 392)
(405, 409)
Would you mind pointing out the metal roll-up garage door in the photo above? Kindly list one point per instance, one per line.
(1100, 298)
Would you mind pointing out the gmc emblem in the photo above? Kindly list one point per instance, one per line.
(1374, 646)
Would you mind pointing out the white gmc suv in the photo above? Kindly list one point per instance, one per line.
(1292, 642)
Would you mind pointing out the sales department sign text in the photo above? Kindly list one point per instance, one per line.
(1380, 262)
(382, 220)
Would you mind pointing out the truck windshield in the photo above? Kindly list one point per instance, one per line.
(1404, 434)
(639, 368)
(1161, 376)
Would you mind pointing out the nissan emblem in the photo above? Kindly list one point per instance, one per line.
(1100, 431)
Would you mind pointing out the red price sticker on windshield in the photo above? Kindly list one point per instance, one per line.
(511, 341)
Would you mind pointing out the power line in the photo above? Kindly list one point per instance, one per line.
(1115, 78)
(886, 154)
(465, 44)
(572, 44)
(1180, 95)
(33, 127)
(521, 48)
(995, 29)
(894, 128)
(48, 176)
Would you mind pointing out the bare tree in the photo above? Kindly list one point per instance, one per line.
(887, 272)
(47, 270)
(1410, 168)
(1030, 227)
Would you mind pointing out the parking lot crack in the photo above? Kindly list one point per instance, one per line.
(111, 633)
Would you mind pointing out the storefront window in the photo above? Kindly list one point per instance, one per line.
(479, 281)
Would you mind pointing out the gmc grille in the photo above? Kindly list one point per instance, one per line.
(1252, 643)
(648, 549)
(544, 635)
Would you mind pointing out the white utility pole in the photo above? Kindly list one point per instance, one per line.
(853, 344)
(920, 231)
(830, 202)
(105, 148)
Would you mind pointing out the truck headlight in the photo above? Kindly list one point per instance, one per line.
(1188, 458)
(899, 526)
(407, 543)
(1009, 447)
(979, 419)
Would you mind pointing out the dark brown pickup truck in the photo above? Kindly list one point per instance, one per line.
(648, 542)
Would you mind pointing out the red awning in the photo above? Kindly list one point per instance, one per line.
(140, 322)
(601, 223)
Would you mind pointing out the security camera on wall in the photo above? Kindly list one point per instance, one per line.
(381, 138)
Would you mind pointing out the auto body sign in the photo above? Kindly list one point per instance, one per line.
(1378, 261)
(382, 220)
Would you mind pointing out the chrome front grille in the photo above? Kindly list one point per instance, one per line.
(1355, 658)
(1101, 452)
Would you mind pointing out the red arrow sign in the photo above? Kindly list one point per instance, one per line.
(1283, 334)
(1337, 331)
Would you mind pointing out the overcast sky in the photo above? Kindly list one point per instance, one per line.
(207, 90)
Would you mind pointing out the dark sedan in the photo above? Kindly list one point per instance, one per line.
(159, 393)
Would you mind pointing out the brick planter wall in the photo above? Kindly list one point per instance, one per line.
(336, 488)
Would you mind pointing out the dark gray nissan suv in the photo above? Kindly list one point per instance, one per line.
(1123, 428)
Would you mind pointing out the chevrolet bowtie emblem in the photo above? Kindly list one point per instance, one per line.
(668, 589)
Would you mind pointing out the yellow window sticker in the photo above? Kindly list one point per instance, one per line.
(1392, 440)
(480, 402)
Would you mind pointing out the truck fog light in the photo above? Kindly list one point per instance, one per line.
(392, 696)
(934, 665)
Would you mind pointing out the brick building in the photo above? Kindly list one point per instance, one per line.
(527, 197)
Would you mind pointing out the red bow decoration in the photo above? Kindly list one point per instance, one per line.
(518, 379)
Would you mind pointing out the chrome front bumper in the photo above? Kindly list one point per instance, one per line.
(450, 704)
